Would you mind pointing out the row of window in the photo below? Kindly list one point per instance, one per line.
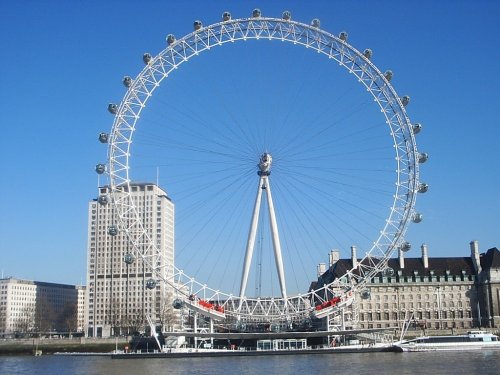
(370, 316)
(419, 305)
(418, 297)
(437, 325)
(16, 288)
(422, 288)
(17, 293)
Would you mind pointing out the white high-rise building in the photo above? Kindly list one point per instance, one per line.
(118, 298)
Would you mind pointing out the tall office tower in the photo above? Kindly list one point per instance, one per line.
(119, 300)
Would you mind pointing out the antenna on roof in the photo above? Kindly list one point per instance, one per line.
(157, 176)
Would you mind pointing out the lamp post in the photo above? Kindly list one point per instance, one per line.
(438, 292)
(453, 313)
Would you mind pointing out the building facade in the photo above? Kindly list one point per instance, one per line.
(119, 299)
(488, 288)
(434, 293)
(28, 307)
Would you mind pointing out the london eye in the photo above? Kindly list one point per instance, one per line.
(278, 142)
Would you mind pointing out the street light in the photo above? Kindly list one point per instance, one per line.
(438, 292)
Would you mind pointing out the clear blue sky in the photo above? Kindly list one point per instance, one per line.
(62, 62)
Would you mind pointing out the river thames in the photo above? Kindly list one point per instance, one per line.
(483, 362)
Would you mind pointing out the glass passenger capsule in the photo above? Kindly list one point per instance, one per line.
(127, 81)
(405, 246)
(423, 187)
(113, 230)
(365, 293)
(103, 200)
(197, 25)
(112, 108)
(417, 217)
(178, 304)
(100, 168)
(416, 128)
(147, 58)
(287, 15)
(103, 137)
(256, 13)
(170, 39)
(151, 284)
(129, 258)
(423, 157)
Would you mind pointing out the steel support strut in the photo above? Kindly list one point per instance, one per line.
(265, 166)
(251, 240)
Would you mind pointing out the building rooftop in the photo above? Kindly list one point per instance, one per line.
(39, 283)
(490, 259)
(440, 266)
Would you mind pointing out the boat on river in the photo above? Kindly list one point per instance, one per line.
(473, 340)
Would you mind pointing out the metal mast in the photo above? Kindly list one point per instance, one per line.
(264, 172)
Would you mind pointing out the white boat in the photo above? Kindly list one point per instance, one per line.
(473, 340)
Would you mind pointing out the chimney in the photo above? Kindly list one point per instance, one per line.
(474, 254)
(401, 259)
(321, 269)
(334, 256)
(425, 257)
(354, 257)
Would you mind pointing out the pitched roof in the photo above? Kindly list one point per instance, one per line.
(490, 259)
(439, 265)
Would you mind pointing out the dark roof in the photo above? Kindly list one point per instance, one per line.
(313, 286)
(54, 285)
(490, 259)
(439, 266)
(455, 266)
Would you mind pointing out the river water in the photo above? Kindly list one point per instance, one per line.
(478, 362)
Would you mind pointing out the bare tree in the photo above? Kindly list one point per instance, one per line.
(44, 316)
(114, 317)
(25, 322)
(133, 319)
(3, 319)
(168, 316)
(68, 318)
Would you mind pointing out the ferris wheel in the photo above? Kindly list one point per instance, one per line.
(363, 192)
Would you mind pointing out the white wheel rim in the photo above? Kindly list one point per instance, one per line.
(181, 51)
